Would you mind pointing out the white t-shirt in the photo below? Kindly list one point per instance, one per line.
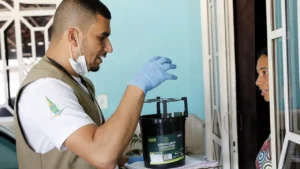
(46, 129)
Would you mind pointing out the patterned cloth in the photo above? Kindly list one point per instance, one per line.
(263, 159)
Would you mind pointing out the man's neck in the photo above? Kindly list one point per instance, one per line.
(61, 57)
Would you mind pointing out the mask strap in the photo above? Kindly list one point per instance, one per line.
(78, 43)
(70, 46)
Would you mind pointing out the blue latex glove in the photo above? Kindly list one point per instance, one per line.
(133, 159)
(153, 73)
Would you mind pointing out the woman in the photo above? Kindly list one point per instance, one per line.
(263, 159)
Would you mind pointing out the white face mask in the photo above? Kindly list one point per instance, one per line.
(79, 66)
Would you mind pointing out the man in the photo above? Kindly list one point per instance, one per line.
(58, 123)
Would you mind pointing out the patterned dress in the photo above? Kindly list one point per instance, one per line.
(263, 159)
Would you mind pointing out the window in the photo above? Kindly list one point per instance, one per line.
(283, 44)
(25, 29)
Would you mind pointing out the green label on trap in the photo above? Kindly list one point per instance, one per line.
(166, 149)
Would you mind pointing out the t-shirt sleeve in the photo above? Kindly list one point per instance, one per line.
(55, 109)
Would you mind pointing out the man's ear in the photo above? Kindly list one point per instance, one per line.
(73, 37)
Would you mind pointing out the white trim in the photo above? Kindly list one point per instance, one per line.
(225, 41)
(26, 23)
(5, 26)
(39, 1)
(269, 12)
(46, 33)
(215, 72)
(39, 12)
(284, 150)
(19, 43)
(41, 29)
(285, 82)
(6, 5)
(4, 18)
(226, 123)
(232, 87)
(289, 137)
(277, 33)
(223, 57)
(285, 68)
(49, 24)
(206, 77)
(2, 45)
(293, 137)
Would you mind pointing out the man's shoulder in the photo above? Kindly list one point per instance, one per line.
(47, 83)
(45, 89)
(43, 69)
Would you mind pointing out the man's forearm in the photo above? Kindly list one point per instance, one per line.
(119, 129)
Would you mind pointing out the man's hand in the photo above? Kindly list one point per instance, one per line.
(154, 73)
(123, 160)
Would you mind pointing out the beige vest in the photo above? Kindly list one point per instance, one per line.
(27, 158)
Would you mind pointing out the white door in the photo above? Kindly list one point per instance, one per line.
(24, 38)
(283, 18)
(219, 82)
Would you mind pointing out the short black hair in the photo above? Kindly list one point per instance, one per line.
(264, 51)
(92, 6)
(77, 13)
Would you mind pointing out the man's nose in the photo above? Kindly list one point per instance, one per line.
(108, 47)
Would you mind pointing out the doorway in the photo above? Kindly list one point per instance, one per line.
(253, 112)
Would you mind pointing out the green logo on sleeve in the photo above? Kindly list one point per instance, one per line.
(54, 109)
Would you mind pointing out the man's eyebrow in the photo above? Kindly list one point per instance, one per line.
(106, 34)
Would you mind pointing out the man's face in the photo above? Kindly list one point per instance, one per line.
(263, 77)
(95, 43)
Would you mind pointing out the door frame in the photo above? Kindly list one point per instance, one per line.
(226, 52)
(253, 112)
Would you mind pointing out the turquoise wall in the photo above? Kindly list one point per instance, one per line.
(142, 29)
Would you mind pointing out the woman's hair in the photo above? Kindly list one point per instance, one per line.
(263, 52)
